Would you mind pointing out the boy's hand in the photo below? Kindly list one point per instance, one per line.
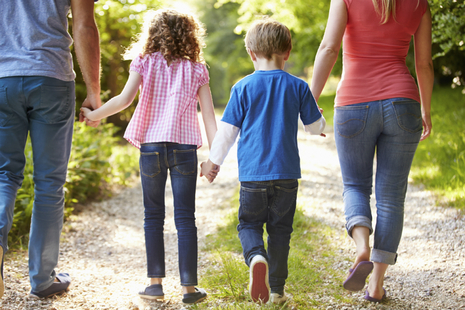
(209, 170)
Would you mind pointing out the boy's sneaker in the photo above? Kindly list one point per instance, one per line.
(197, 296)
(278, 298)
(152, 292)
(259, 287)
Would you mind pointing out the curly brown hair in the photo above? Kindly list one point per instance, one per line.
(175, 35)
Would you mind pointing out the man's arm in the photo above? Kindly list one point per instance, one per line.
(87, 46)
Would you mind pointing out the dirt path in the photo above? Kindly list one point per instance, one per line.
(103, 247)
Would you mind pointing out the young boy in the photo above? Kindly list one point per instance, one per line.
(265, 107)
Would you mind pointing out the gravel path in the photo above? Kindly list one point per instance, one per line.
(103, 246)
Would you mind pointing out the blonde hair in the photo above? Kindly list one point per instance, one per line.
(267, 37)
(172, 33)
(388, 8)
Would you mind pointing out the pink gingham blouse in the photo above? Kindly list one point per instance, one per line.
(167, 108)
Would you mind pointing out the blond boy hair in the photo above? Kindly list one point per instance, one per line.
(267, 37)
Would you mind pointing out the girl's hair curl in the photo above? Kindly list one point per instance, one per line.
(173, 34)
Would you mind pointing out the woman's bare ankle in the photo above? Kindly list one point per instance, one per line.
(363, 255)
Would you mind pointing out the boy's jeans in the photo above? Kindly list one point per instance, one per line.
(273, 203)
(181, 161)
(393, 128)
(44, 107)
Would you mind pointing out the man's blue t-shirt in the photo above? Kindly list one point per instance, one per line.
(266, 106)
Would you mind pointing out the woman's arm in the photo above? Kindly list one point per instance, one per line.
(329, 47)
(117, 103)
(208, 112)
(424, 70)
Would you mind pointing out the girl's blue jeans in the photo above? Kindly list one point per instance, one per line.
(273, 203)
(44, 108)
(156, 159)
(391, 129)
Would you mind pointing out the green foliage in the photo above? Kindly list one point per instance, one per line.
(97, 162)
(311, 266)
(225, 52)
(439, 162)
(448, 17)
(326, 102)
(118, 21)
(305, 19)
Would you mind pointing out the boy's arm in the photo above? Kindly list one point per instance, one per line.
(222, 143)
(224, 140)
(117, 103)
(316, 128)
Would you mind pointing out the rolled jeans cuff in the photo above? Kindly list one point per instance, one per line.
(380, 256)
(358, 220)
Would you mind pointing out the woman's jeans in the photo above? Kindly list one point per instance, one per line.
(181, 161)
(393, 128)
(273, 203)
(44, 107)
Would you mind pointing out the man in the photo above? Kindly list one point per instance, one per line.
(37, 96)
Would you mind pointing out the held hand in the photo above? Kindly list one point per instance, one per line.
(90, 104)
(84, 115)
(209, 170)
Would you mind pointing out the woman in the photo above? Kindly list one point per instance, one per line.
(377, 107)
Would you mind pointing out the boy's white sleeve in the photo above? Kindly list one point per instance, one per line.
(316, 127)
(223, 141)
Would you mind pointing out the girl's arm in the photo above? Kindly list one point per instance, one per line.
(208, 112)
(117, 103)
(329, 47)
(424, 69)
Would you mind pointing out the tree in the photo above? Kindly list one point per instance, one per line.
(306, 20)
(449, 41)
(118, 22)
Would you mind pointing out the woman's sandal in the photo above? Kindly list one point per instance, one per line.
(357, 277)
(372, 299)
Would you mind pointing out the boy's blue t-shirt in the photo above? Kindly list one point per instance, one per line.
(266, 106)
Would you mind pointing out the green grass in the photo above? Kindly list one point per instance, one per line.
(312, 271)
(439, 162)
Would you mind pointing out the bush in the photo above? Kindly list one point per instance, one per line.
(98, 161)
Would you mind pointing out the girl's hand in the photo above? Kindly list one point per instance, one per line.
(85, 114)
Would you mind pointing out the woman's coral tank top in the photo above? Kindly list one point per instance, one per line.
(374, 54)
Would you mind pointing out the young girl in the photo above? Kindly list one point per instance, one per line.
(172, 77)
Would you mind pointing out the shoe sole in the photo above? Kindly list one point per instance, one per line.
(198, 300)
(149, 297)
(259, 287)
(356, 280)
(33, 296)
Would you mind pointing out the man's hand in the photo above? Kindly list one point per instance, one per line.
(89, 105)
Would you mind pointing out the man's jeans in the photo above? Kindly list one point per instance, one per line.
(181, 161)
(273, 203)
(44, 107)
(393, 128)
